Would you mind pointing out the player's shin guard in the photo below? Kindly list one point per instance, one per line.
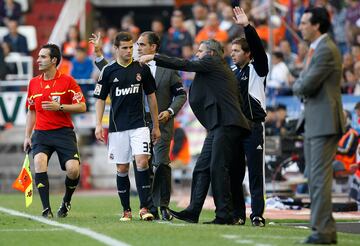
(42, 183)
(143, 184)
(70, 185)
(123, 187)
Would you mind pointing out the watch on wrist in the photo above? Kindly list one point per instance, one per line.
(61, 107)
(171, 112)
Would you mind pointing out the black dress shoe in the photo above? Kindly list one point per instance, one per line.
(218, 221)
(185, 216)
(155, 213)
(316, 240)
(166, 216)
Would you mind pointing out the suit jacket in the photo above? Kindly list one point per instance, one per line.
(319, 86)
(213, 94)
(164, 79)
(18, 44)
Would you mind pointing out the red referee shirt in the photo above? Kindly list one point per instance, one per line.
(61, 88)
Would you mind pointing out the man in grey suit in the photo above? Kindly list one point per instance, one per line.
(319, 88)
(170, 97)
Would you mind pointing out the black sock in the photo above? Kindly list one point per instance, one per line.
(70, 185)
(42, 184)
(150, 202)
(143, 185)
(123, 186)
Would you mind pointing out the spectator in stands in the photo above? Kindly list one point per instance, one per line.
(289, 56)
(10, 67)
(352, 15)
(73, 40)
(187, 77)
(176, 37)
(349, 81)
(128, 25)
(15, 40)
(356, 84)
(263, 30)
(108, 50)
(211, 30)
(227, 24)
(357, 111)
(338, 23)
(212, 5)
(348, 61)
(280, 114)
(355, 52)
(300, 59)
(246, 5)
(345, 159)
(82, 66)
(195, 24)
(157, 26)
(280, 77)
(9, 10)
(293, 19)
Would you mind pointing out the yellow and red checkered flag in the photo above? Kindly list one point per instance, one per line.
(23, 182)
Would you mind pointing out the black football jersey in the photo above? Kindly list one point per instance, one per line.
(125, 85)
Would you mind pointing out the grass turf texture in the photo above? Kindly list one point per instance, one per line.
(102, 213)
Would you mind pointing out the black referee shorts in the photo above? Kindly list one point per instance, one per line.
(62, 140)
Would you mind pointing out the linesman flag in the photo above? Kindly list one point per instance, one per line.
(23, 182)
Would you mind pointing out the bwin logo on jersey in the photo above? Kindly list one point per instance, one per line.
(126, 91)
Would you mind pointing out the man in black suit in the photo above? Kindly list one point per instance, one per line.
(214, 100)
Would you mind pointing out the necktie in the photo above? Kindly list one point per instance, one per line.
(309, 56)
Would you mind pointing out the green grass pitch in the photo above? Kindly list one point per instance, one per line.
(101, 214)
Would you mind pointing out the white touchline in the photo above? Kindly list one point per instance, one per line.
(31, 230)
(87, 232)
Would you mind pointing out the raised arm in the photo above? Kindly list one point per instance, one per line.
(202, 65)
(257, 49)
(100, 61)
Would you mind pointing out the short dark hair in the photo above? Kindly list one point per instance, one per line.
(153, 38)
(320, 15)
(278, 54)
(281, 106)
(54, 51)
(122, 37)
(215, 46)
(243, 43)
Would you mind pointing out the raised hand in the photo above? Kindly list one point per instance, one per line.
(97, 42)
(240, 17)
